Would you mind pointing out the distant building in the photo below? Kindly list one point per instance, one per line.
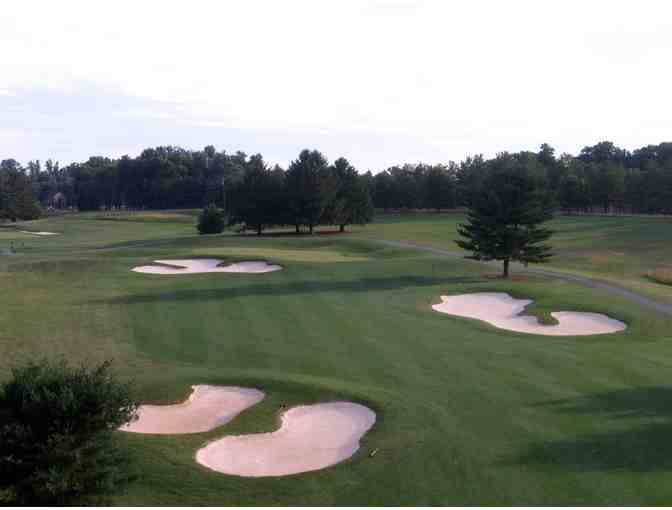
(58, 201)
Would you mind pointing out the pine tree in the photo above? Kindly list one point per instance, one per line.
(352, 202)
(310, 187)
(504, 220)
(256, 201)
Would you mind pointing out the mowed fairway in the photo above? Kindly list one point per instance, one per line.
(466, 413)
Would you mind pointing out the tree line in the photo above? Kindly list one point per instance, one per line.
(17, 200)
(601, 178)
(309, 193)
(249, 191)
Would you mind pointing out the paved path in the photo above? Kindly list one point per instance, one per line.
(609, 288)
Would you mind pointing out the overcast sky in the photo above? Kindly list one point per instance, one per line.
(380, 82)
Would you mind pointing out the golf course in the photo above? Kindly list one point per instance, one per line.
(466, 413)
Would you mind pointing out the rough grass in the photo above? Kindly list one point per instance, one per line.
(661, 275)
(621, 250)
(467, 414)
(7, 234)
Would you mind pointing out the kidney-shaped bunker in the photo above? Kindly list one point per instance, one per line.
(311, 437)
(206, 408)
(503, 311)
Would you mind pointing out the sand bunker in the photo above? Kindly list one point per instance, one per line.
(502, 311)
(311, 437)
(206, 408)
(39, 233)
(194, 266)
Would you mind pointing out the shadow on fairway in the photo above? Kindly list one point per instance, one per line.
(645, 447)
(292, 288)
(650, 401)
(143, 243)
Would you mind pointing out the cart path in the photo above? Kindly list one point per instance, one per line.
(592, 283)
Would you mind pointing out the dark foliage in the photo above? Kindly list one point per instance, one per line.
(57, 427)
(17, 200)
(211, 220)
(351, 202)
(505, 216)
(310, 188)
(258, 201)
(602, 178)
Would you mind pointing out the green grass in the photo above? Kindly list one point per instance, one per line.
(467, 413)
(9, 234)
(624, 250)
(327, 254)
(168, 216)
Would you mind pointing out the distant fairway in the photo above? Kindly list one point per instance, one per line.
(11, 234)
(466, 413)
(172, 216)
(312, 253)
(635, 252)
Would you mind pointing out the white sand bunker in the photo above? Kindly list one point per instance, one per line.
(193, 266)
(503, 311)
(39, 233)
(311, 437)
(206, 408)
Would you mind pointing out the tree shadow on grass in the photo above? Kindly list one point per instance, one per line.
(291, 288)
(645, 447)
(144, 243)
(642, 449)
(650, 401)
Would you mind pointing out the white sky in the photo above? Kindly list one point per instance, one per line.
(379, 82)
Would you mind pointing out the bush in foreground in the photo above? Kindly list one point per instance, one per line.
(211, 220)
(56, 434)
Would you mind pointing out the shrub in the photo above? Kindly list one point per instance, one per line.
(57, 427)
(211, 220)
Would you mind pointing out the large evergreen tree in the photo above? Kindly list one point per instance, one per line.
(310, 187)
(256, 201)
(351, 203)
(505, 218)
